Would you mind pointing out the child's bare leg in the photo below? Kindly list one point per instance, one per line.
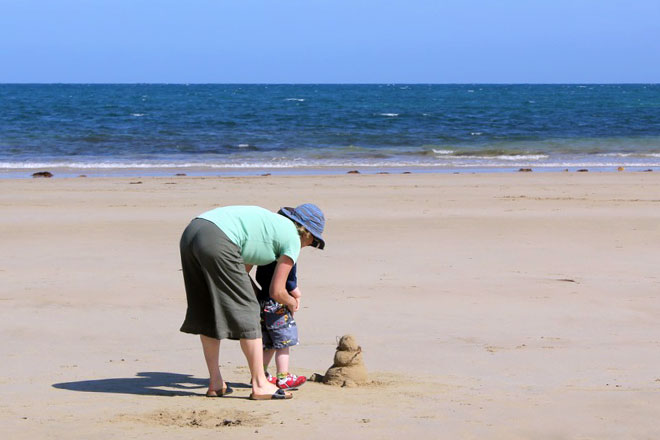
(268, 356)
(211, 348)
(282, 360)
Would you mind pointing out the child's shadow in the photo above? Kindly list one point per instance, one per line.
(146, 383)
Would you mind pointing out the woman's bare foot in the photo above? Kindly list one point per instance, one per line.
(264, 388)
(218, 390)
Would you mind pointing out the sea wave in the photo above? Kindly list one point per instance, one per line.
(299, 162)
(615, 154)
(500, 156)
(494, 153)
(629, 155)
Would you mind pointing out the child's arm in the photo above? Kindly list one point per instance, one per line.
(257, 289)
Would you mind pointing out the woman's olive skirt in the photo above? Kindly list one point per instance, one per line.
(221, 301)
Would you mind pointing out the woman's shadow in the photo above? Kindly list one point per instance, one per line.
(145, 383)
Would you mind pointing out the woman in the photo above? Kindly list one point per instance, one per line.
(218, 249)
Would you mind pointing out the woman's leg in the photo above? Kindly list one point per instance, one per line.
(282, 360)
(211, 347)
(253, 351)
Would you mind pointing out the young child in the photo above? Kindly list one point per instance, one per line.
(278, 328)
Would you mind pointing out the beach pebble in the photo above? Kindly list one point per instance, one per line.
(583, 170)
(42, 174)
(180, 174)
(353, 172)
(525, 170)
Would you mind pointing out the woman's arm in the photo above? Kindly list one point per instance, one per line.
(296, 293)
(278, 284)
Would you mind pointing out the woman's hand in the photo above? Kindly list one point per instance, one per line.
(294, 307)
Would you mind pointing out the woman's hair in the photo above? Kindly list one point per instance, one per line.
(304, 233)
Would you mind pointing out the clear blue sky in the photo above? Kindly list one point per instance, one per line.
(330, 41)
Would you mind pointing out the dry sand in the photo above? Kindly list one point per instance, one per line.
(508, 306)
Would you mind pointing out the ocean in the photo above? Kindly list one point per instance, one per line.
(215, 129)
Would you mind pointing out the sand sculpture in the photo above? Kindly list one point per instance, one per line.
(348, 368)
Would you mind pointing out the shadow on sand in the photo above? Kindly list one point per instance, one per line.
(146, 384)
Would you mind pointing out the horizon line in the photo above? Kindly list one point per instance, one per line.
(328, 83)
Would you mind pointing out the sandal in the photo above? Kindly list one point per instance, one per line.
(277, 395)
(221, 393)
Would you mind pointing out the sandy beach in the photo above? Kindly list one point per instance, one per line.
(488, 306)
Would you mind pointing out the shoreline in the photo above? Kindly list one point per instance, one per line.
(65, 172)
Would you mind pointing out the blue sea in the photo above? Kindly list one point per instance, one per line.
(158, 129)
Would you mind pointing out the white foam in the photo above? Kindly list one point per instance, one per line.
(522, 157)
(295, 99)
(476, 133)
(88, 165)
(441, 158)
(506, 157)
(588, 164)
(243, 145)
(282, 163)
(615, 154)
(391, 115)
(137, 115)
(629, 155)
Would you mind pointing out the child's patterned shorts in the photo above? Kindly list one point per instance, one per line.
(278, 328)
